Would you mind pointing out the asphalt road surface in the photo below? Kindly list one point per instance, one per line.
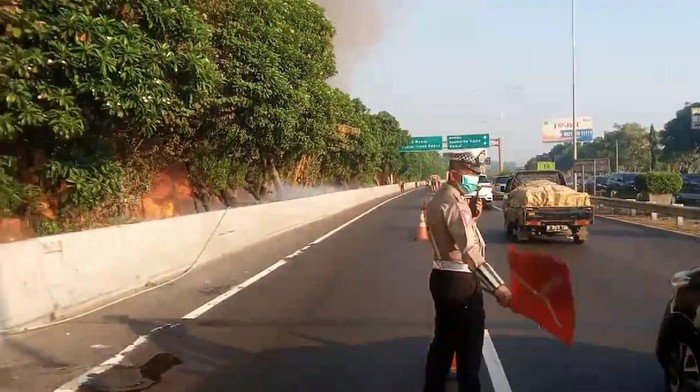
(353, 313)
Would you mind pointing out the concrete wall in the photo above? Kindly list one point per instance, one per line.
(48, 278)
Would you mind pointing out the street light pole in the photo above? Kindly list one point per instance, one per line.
(573, 84)
(498, 142)
(573, 75)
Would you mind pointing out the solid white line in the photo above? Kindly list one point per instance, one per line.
(493, 364)
(497, 208)
(235, 290)
(211, 304)
(75, 384)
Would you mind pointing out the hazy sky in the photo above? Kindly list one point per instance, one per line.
(453, 66)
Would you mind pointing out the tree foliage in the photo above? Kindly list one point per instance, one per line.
(681, 144)
(83, 82)
(653, 148)
(675, 148)
(628, 142)
(96, 96)
(659, 182)
(419, 166)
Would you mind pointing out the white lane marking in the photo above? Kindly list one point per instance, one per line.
(75, 384)
(493, 364)
(209, 305)
(235, 290)
(498, 208)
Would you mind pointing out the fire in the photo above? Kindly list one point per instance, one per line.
(171, 195)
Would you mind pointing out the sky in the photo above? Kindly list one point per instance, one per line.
(504, 66)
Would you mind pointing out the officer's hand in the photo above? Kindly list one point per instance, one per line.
(503, 295)
(478, 207)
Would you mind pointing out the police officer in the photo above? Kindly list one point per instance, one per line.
(460, 273)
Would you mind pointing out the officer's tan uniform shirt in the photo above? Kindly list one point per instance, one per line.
(453, 230)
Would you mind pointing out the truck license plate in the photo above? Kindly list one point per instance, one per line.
(556, 228)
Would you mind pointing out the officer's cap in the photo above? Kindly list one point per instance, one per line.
(474, 161)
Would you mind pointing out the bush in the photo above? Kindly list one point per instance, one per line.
(660, 183)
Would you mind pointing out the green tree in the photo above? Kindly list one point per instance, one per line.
(274, 55)
(83, 83)
(420, 165)
(97, 95)
(681, 144)
(633, 141)
(390, 138)
(653, 147)
(352, 154)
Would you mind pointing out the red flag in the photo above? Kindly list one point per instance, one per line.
(541, 286)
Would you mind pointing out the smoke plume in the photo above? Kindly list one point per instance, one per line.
(359, 24)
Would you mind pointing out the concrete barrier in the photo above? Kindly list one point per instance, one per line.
(49, 278)
(678, 211)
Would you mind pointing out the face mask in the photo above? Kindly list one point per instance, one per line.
(470, 183)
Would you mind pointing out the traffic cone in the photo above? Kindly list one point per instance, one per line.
(422, 228)
(452, 375)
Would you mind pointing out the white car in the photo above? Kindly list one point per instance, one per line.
(485, 191)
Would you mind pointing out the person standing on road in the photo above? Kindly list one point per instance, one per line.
(460, 273)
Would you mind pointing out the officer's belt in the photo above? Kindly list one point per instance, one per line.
(446, 265)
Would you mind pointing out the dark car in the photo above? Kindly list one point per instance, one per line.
(690, 192)
(621, 185)
(600, 185)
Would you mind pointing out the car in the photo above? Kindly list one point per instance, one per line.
(599, 188)
(621, 185)
(690, 192)
(485, 191)
(499, 187)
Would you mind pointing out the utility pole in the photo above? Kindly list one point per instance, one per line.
(617, 154)
(573, 84)
(498, 143)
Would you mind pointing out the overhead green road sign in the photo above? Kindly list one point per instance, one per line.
(423, 143)
(459, 142)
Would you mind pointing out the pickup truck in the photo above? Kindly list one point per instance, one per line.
(523, 222)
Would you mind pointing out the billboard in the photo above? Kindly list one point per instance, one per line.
(560, 130)
(601, 165)
(694, 118)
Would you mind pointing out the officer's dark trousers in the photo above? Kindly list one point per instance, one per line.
(459, 328)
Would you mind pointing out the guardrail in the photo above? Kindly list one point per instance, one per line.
(674, 210)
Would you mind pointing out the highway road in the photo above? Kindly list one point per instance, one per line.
(352, 312)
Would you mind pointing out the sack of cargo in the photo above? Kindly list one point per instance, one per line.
(545, 193)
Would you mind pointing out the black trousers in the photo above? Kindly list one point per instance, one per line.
(459, 328)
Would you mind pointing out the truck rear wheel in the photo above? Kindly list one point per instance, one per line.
(522, 234)
(580, 235)
(509, 231)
